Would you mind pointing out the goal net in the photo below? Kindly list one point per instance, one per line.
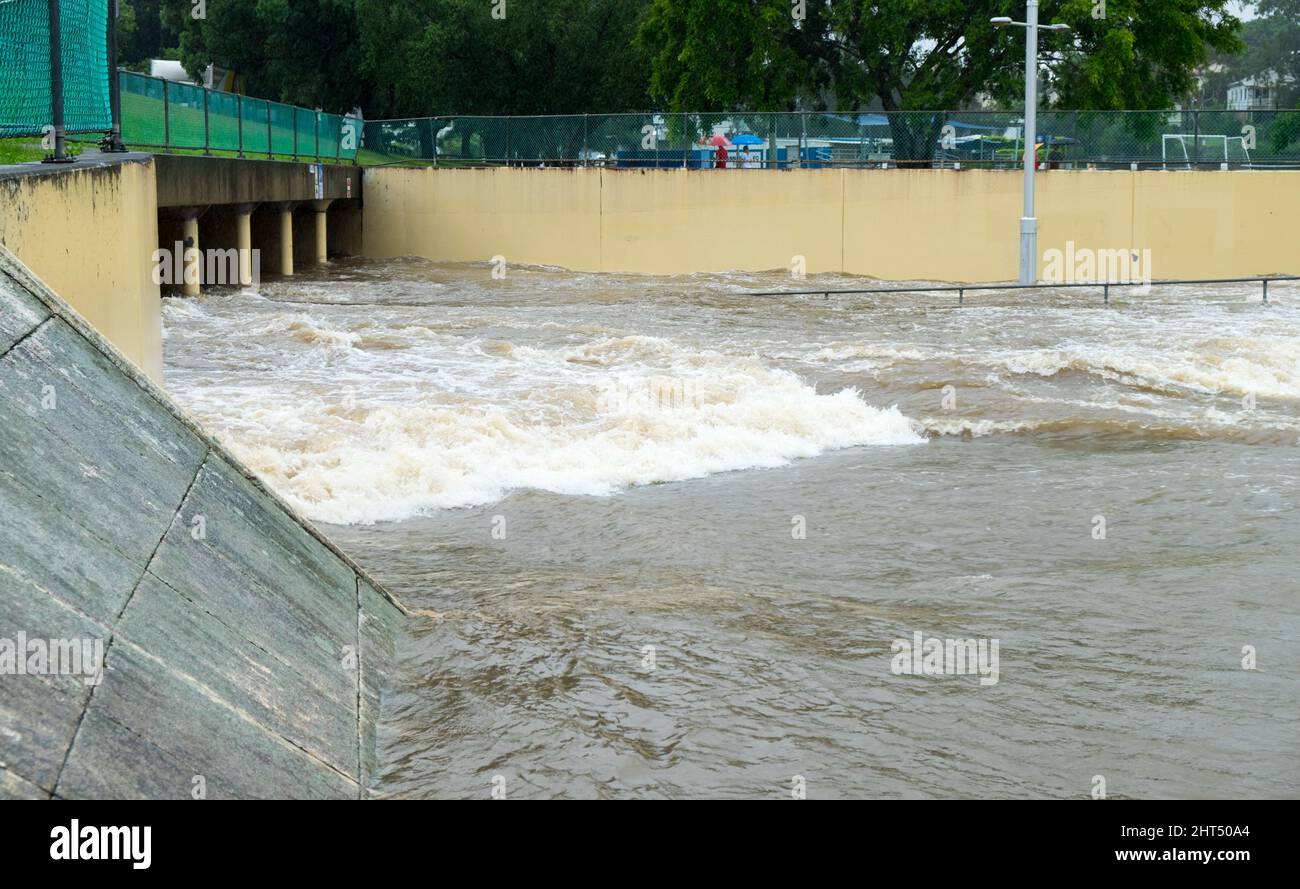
(1186, 149)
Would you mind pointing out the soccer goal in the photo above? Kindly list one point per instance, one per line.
(1180, 149)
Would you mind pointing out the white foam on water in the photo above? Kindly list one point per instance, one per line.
(409, 422)
(585, 385)
(1268, 367)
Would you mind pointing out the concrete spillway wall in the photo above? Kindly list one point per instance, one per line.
(243, 654)
(88, 231)
(943, 225)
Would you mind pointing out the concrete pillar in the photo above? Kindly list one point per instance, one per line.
(286, 240)
(189, 265)
(244, 242)
(192, 258)
(322, 231)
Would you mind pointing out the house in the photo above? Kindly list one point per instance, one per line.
(1257, 93)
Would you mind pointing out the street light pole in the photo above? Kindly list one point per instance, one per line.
(1028, 221)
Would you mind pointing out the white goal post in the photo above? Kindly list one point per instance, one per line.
(1177, 149)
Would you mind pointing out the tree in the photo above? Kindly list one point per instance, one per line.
(1266, 51)
(924, 55)
(141, 35)
(1275, 47)
(429, 57)
(733, 55)
(300, 51)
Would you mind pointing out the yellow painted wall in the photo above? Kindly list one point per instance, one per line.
(941, 225)
(90, 234)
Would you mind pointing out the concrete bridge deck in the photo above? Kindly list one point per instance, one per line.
(190, 180)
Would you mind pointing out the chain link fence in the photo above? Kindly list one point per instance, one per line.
(26, 94)
(179, 116)
(155, 113)
(980, 139)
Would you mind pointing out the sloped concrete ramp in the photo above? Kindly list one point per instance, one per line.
(243, 654)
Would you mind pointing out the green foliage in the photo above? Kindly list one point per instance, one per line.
(421, 57)
(141, 35)
(1272, 46)
(452, 56)
(1142, 54)
(304, 52)
(427, 57)
(729, 54)
(915, 55)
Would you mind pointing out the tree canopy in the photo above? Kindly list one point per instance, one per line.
(435, 57)
(926, 54)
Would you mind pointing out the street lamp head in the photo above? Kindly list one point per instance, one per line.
(1058, 27)
(1001, 21)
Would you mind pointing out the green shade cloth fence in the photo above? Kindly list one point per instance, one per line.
(26, 106)
(169, 115)
(155, 113)
(1172, 139)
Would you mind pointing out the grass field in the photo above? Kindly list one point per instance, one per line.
(25, 149)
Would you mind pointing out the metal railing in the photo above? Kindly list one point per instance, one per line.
(167, 115)
(962, 289)
(953, 139)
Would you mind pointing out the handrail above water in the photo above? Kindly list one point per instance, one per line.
(960, 289)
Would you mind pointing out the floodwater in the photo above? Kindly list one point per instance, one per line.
(675, 532)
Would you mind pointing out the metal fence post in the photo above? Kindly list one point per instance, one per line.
(317, 123)
(114, 82)
(689, 144)
(270, 138)
(585, 152)
(56, 88)
(295, 133)
(803, 136)
(1196, 140)
(167, 118)
(239, 110)
(1074, 129)
(207, 139)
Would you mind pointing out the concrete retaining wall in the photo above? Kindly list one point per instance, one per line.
(89, 232)
(244, 654)
(897, 224)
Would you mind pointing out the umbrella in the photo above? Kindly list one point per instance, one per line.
(747, 139)
(719, 140)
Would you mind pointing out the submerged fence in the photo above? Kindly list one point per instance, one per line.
(157, 113)
(991, 139)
